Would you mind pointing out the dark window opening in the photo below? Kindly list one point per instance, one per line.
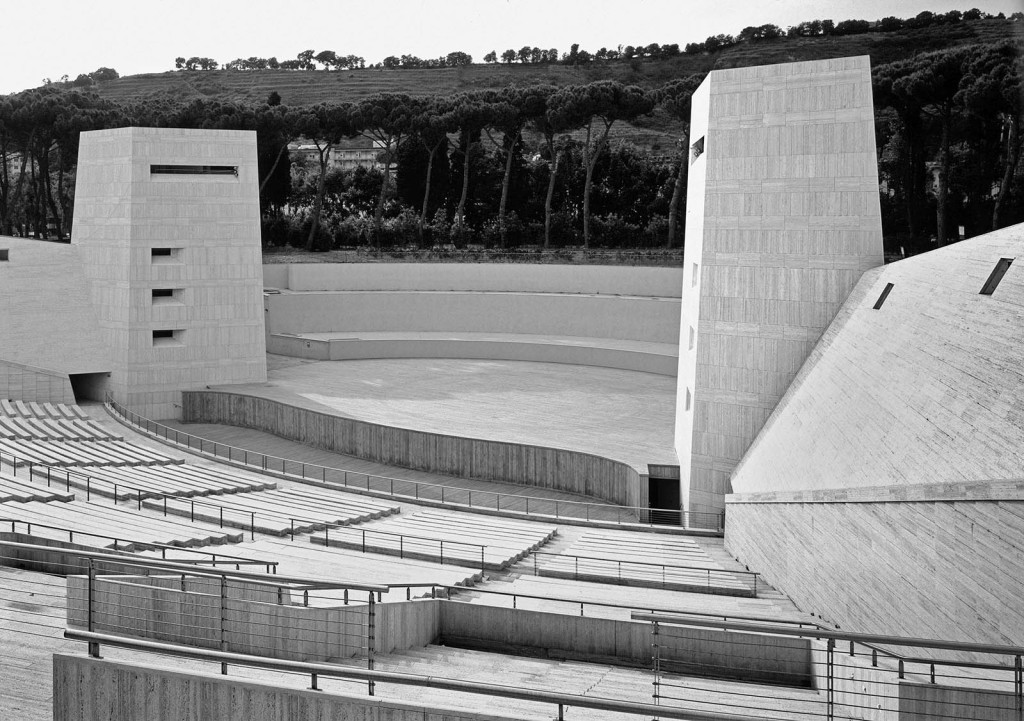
(3, 253)
(696, 150)
(163, 292)
(157, 334)
(158, 252)
(194, 170)
(883, 296)
(997, 275)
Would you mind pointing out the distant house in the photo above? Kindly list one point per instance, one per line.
(348, 154)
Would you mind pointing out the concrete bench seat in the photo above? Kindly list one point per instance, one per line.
(94, 453)
(110, 521)
(648, 357)
(20, 490)
(273, 512)
(152, 481)
(443, 536)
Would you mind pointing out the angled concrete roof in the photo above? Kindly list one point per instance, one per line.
(929, 388)
(46, 313)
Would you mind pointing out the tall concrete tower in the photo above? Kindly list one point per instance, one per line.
(168, 226)
(782, 219)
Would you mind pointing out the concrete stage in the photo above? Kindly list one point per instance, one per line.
(623, 415)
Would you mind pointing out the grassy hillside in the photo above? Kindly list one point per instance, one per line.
(311, 87)
(655, 134)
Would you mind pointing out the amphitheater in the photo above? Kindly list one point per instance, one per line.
(780, 482)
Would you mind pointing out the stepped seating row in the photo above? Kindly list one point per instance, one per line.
(558, 595)
(305, 560)
(670, 550)
(109, 521)
(17, 490)
(49, 429)
(184, 480)
(31, 409)
(463, 539)
(98, 453)
(280, 512)
(647, 574)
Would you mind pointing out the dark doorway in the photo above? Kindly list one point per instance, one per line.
(663, 499)
(89, 386)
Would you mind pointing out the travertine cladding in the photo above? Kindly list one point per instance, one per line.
(22, 382)
(782, 220)
(926, 389)
(926, 561)
(122, 212)
(47, 319)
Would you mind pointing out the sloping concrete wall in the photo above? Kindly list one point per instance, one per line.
(926, 389)
(782, 219)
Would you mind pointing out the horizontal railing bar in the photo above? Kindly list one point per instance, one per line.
(405, 679)
(155, 427)
(603, 604)
(654, 565)
(154, 544)
(269, 579)
(864, 638)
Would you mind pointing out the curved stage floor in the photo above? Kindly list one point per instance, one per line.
(623, 415)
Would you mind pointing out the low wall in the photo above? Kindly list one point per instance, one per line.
(652, 320)
(538, 466)
(164, 609)
(90, 689)
(508, 348)
(22, 382)
(695, 651)
(926, 562)
(523, 277)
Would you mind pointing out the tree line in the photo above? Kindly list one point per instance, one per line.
(537, 164)
(331, 60)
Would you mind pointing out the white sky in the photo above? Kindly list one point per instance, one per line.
(57, 37)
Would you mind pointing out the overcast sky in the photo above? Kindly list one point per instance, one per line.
(67, 37)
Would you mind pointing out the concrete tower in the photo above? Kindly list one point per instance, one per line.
(167, 222)
(782, 220)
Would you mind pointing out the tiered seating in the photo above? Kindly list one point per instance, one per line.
(463, 539)
(110, 521)
(281, 512)
(653, 560)
(179, 480)
(305, 560)
(98, 453)
(18, 490)
(49, 429)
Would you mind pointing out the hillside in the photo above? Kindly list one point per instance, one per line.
(299, 88)
(655, 134)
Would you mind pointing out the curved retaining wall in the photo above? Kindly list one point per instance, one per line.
(522, 277)
(652, 320)
(522, 464)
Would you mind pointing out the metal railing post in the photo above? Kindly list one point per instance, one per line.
(1018, 686)
(371, 641)
(223, 613)
(94, 647)
(830, 681)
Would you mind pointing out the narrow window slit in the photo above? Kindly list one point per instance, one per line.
(997, 275)
(883, 296)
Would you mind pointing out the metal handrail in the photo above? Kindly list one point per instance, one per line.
(712, 521)
(406, 679)
(835, 635)
(700, 569)
(159, 564)
(163, 547)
